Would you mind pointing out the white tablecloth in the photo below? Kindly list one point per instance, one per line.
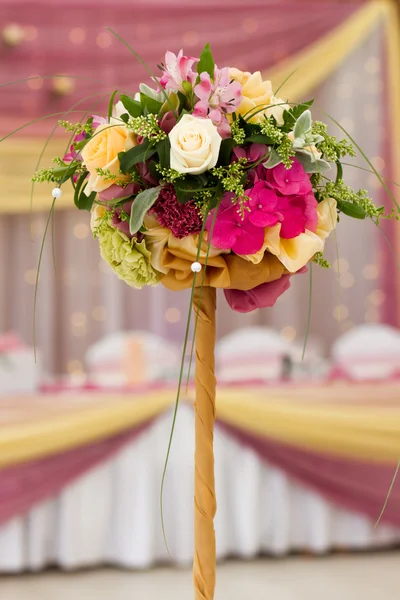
(112, 513)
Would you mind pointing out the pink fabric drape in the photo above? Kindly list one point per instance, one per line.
(359, 486)
(249, 35)
(26, 485)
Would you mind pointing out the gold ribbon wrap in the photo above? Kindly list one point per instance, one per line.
(205, 506)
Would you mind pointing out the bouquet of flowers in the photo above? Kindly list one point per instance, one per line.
(209, 168)
(207, 179)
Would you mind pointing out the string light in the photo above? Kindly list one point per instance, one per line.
(99, 313)
(250, 25)
(190, 38)
(35, 84)
(77, 35)
(78, 319)
(377, 297)
(346, 280)
(288, 333)
(30, 276)
(372, 65)
(173, 315)
(75, 366)
(341, 265)
(80, 231)
(370, 272)
(30, 33)
(340, 312)
(104, 40)
(13, 34)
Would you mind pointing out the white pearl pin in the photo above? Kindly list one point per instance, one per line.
(56, 192)
(196, 267)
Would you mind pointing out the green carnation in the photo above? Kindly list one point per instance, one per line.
(129, 259)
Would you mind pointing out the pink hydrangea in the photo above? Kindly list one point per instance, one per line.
(177, 69)
(299, 213)
(217, 98)
(232, 231)
(263, 205)
(289, 181)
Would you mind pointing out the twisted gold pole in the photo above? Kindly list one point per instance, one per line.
(204, 566)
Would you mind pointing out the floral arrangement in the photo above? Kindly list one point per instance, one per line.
(209, 167)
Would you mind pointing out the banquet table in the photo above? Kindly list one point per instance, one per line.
(298, 468)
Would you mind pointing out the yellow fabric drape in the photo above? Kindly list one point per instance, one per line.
(314, 64)
(310, 67)
(360, 421)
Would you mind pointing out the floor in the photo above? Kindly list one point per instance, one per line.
(341, 577)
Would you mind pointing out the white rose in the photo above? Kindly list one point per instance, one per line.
(195, 145)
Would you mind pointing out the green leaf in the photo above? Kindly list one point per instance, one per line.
(164, 150)
(111, 104)
(187, 87)
(124, 117)
(312, 166)
(303, 124)
(290, 116)
(142, 203)
(206, 63)
(137, 154)
(185, 188)
(81, 200)
(170, 105)
(351, 210)
(150, 104)
(133, 107)
(225, 152)
(273, 160)
(153, 171)
(259, 138)
(298, 110)
(62, 174)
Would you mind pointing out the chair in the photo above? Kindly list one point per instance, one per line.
(132, 357)
(368, 352)
(251, 354)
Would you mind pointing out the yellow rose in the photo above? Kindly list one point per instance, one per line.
(101, 152)
(296, 252)
(257, 93)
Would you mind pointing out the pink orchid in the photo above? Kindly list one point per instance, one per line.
(177, 69)
(263, 205)
(232, 231)
(168, 122)
(217, 98)
(289, 181)
(299, 213)
(253, 152)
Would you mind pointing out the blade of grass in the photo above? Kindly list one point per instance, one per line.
(140, 59)
(285, 81)
(388, 494)
(308, 315)
(175, 414)
(48, 141)
(38, 274)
